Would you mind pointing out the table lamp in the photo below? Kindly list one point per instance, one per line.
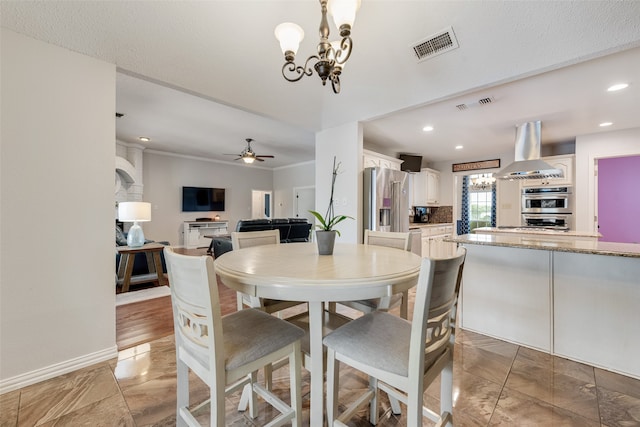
(134, 212)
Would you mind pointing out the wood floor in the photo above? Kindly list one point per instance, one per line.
(150, 320)
(143, 321)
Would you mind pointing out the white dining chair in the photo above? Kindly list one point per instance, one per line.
(247, 239)
(393, 240)
(422, 350)
(226, 352)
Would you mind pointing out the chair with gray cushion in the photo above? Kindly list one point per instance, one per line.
(247, 239)
(400, 357)
(226, 352)
(393, 240)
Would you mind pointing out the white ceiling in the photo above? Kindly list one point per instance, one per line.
(199, 77)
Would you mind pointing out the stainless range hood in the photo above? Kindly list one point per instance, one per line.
(527, 163)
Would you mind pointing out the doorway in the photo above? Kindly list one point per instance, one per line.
(261, 204)
(304, 200)
(617, 201)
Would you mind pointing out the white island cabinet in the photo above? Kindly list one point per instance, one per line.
(578, 299)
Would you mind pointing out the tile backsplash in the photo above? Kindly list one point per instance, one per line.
(441, 214)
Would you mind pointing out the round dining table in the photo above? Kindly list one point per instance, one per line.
(296, 272)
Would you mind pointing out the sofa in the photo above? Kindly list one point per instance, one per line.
(291, 230)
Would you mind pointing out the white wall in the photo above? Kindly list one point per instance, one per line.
(57, 305)
(284, 181)
(588, 149)
(166, 174)
(345, 143)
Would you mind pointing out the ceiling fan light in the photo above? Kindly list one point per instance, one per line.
(343, 12)
(248, 159)
(289, 35)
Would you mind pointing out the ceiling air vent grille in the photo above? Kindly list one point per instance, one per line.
(435, 44)
(479, 103)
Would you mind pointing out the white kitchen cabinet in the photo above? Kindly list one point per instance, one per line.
(564, 163)
(371, 159)
(433, 244)
(426, 188)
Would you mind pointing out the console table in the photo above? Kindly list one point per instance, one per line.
(195, 232)
(125, 267)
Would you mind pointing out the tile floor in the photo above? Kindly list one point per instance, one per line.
(495, 383)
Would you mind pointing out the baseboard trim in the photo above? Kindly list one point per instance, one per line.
(48, 372)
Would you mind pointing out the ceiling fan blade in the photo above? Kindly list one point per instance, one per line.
(257, 158)
(267, 157)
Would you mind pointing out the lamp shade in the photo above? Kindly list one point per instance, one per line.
(134, 211)
(289, 35)
(343, 11)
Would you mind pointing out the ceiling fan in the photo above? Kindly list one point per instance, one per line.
(248, 155)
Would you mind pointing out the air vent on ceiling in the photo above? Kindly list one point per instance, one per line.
(435, 44)
(480, 102)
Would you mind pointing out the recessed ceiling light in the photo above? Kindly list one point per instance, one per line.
(618, 86)
(144, 138)
(427, 128)
(459, 147)
(605, 124)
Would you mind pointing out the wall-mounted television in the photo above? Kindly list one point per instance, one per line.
(201, 199)
(410, 163)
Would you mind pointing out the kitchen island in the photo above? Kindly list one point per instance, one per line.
(540, 231)
(578, 299)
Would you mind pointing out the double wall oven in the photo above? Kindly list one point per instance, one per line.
(548, 207)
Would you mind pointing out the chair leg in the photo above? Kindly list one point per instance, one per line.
(395, 406)
(295, 366)
(218, 411)
(253, 401)
(404, 305)
(268, 377)
(182, 391)
(333, 379)
(373, 405)
(446, 391)
(239, 304)
(414, 407)
(245, 398)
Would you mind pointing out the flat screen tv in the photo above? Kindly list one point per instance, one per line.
(200, 199)
(411, 163)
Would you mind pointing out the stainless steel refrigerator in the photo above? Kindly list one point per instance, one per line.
(386, 199)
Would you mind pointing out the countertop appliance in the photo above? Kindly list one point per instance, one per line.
(386, 199)
(421, 214)
(548, 207)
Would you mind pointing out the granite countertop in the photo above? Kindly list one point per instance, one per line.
(550, 243)
(418, 225)
(540, 231)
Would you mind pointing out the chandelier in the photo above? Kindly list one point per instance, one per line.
(331, 56)
(481, 182)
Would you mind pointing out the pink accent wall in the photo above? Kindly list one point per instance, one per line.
(619, 199)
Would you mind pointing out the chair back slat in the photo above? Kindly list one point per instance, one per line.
(247, 239)
(196, 306)
(435, 299)
(389, 239)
